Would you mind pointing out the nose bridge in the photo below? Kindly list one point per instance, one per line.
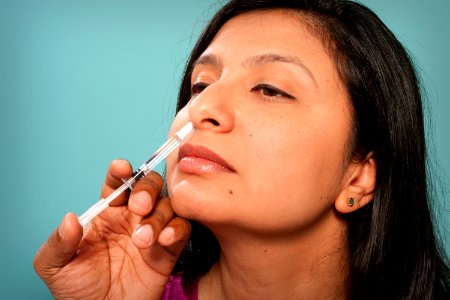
(213, 108)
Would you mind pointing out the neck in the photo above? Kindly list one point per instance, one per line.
(311, 264)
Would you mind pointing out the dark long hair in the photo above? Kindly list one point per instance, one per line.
(394, 252)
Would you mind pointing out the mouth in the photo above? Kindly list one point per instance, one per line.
(201, 160)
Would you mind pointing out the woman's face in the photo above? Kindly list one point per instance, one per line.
(273, 121)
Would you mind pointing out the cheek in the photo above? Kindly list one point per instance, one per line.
(288, 174)
(296, 173)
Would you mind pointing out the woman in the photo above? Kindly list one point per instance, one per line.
(305, 177)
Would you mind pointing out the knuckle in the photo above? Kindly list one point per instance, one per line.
(156, 176)
(185, 229)
(36, 264)
(160, 217)
(109, 177)
(112, 181)
(150, 184)
(165, 203)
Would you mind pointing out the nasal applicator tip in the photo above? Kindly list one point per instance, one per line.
(184, 132)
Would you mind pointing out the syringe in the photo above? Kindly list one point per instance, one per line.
(171, 144)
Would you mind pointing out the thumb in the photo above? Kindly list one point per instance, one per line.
(58, 250)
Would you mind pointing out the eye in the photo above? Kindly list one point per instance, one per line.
(197, 88)
(270, 91)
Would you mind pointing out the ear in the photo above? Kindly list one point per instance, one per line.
(359, 187)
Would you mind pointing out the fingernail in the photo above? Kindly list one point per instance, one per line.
(144, 234)
(142, 200)
(168, 234)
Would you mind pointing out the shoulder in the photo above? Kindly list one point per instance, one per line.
(180, 288)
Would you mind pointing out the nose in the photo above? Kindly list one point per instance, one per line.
(212, 110)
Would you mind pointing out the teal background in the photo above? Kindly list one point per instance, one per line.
(85, 82)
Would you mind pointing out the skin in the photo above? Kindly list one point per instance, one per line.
(127, 252)
(303, 154)
(277, 209)
(275, 213)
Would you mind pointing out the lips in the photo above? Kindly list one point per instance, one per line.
(201, 160)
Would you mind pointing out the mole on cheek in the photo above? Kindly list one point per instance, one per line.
(251, 134)
(230, 192)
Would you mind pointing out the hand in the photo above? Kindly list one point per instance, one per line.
(127, 252)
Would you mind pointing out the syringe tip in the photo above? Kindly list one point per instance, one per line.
(184, 132)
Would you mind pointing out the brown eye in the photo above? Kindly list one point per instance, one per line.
(197, 88)
(268, 90)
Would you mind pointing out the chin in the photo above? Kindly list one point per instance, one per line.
(185, 204)
(199, 207)
(182, 208)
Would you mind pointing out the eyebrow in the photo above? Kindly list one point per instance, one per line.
(271, 57)
(210, 59)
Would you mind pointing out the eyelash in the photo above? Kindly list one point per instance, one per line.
(197, 88)
(270, 91)
(266, 90)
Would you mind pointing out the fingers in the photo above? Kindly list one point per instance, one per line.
(175, 235)
(148, 231)
(117, 170)
(161, 237)
(145, 193)
(163, 256)
(58, 250)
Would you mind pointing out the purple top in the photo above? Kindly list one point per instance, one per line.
(179, 288)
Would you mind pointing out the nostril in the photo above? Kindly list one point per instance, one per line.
(214, 122)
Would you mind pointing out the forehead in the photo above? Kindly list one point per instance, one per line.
(282, 32)
(281, 29)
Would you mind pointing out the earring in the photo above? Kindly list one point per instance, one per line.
(350, 202)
